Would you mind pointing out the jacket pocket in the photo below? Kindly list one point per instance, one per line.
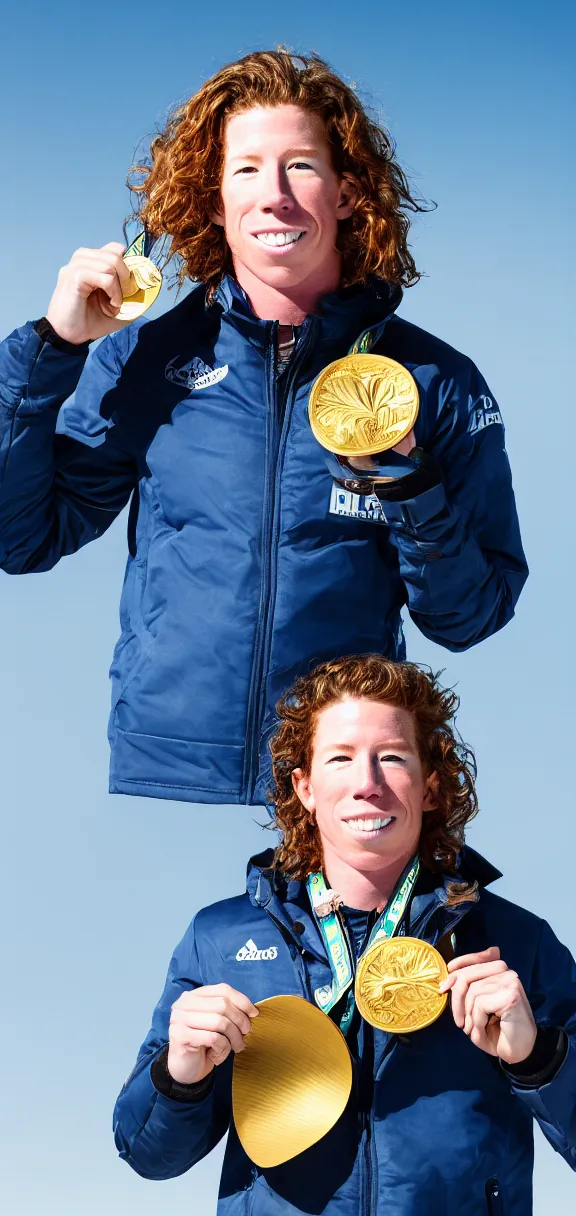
(494, 1201)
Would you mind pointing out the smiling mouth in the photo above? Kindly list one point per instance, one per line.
(279, 240)
(370, 826)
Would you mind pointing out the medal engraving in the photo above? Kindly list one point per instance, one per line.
(142, 290)
(362, 405)
(397, 985)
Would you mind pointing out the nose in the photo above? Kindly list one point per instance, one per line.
(276, 195)
(369, 781)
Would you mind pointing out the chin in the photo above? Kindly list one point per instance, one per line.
(380, 854)
(280, 276)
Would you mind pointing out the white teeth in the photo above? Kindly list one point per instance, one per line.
(279, 238)
(369, 825)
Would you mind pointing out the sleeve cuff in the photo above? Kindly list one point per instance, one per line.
(169, 1088)
(541, 1066)
(47, 334)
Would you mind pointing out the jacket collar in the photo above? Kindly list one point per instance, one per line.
(430, 916)
(341, 317)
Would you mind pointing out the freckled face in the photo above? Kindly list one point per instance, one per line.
(281, 198)
(366, 788)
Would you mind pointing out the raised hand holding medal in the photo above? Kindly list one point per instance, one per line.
(101, 290)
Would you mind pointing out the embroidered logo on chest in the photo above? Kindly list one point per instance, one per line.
(251, 954)
(195, 374)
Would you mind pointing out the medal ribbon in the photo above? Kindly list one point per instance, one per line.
(368, 339)
(330, 924)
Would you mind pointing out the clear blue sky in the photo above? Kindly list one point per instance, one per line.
(97, 889)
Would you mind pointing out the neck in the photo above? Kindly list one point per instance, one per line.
(364, 889)
(288, 306)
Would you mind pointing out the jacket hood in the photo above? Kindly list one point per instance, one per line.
(262, 880)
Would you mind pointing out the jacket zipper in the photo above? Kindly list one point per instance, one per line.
(494, 1197)
(275, 449)
(369, 1189)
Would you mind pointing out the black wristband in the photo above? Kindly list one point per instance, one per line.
(541, 1066)
(46, 332)
(166, 1085)
(402, 489)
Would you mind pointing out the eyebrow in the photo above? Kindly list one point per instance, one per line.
(394, 744)
(288, 152)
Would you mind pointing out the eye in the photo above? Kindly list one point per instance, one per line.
(300, 164)
(337, 759)
(392, 757)
(246, 169)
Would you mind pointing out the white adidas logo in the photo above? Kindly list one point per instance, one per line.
(251, 954)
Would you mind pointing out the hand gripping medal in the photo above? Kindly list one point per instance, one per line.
(397, 985)
(145, 281)
(291, 1083)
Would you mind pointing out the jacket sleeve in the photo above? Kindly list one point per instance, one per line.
(458, 543)
(59, 488)
(552, 996)
(159, 1137)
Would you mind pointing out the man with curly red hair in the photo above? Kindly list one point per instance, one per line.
(284, 202)
(373, 790)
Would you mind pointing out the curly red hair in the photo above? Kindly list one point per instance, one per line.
(374, 678)
(179, 185)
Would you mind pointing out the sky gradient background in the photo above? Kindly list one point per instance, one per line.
(97, 889)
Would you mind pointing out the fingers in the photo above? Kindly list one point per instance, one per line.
(89, 294)
(500, 990)
(468, 960)
(88, 279)
(481, 1026)
(186, 1039)
(492, 1008)
(187, 1024)
(460, 982)
(238, 998)
(215, 1010)
(485, 1021)
(93, 269)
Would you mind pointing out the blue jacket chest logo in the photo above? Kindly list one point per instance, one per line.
(194, 374)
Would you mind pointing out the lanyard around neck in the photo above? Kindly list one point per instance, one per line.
(330, 924)
(368, 338)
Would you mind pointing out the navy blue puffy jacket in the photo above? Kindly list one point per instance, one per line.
(434, 1126)
(239, 577)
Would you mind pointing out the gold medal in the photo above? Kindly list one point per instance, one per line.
(362, 404)
(291, 1083)
(397, 984)
(140, 293)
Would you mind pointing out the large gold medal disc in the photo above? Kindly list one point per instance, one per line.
(292, 1081)
(140, 293)
(362, 405)
(397, 985)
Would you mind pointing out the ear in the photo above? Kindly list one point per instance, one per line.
(431, 793)
(303, 788)
(217, 215)
(347, 198)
